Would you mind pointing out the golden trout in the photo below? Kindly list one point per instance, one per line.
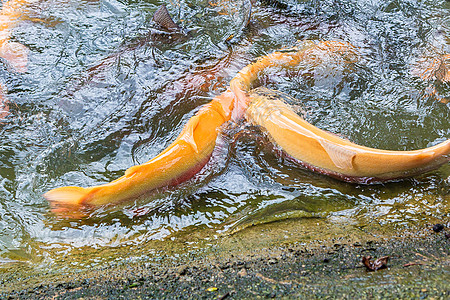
(317, 149)
(183, 158)
(177, 163)
(329, 154)
(434, 69)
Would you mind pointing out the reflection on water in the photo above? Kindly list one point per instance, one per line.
(101, 95)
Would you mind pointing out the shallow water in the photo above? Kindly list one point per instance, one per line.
(104, 92)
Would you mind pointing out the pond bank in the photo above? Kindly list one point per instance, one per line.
(265, 261)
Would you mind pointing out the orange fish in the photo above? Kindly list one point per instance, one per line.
(329, 154)
(177, 163)
(317, 149)
(431, 69)
(434, 68)
(14, 53)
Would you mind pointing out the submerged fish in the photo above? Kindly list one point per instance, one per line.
(434, 65)
(332, 155)
(163, 19)
(239, 12)
(15, 54)
(165, 31)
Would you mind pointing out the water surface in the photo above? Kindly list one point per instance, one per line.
(103, 93)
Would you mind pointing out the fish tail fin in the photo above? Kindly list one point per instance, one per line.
(72, 195)
(67, 201)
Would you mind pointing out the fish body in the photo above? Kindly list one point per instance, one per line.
(165, 31)
(434, 68)
(329, 154)
(177, 163)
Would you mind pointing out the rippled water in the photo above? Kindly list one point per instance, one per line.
(105, 91)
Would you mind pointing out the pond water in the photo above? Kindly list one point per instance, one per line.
(106, 90)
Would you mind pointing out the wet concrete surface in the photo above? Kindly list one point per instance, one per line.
(303, 258)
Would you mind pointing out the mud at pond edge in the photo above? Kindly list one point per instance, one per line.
(287, 267)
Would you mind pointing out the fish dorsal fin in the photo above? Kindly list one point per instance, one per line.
(341, 156)
(16, 56)
(132, 170)
(163, 19)
(426, 155)
(188, 133)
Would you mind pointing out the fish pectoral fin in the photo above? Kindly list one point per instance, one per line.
(426, 155)
(188, 133)
(341, 156)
